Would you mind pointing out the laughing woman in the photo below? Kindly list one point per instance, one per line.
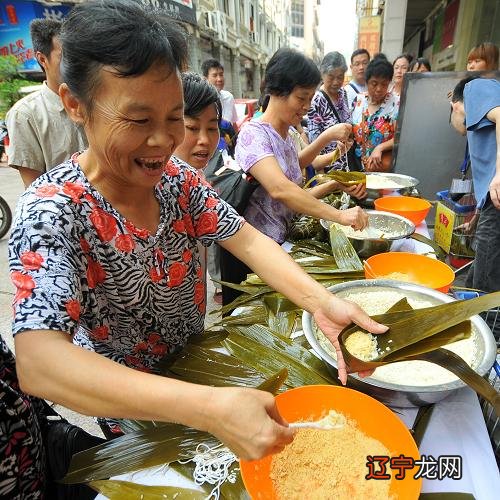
(104, 254)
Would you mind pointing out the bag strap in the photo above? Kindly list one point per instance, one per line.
(354, 87)
(332, 107)
(465, 164)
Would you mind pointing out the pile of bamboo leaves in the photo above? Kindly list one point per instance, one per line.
(254, 349)
(257, 357)
(262, 305)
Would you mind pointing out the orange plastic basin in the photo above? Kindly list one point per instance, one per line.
(420, 269)
(373, 418)
(414, 209)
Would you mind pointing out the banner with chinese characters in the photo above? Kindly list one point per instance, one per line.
(443, 226)
(369, 34)
(15, 19)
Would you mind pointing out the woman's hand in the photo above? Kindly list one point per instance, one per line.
(355, 217)
(357, 190)
(248, 422)
(339, 132)
(375, 160)
(494, 189)
(333, 316)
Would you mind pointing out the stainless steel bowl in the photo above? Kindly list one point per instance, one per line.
(408, 187)
(397, 395)
(393, 226)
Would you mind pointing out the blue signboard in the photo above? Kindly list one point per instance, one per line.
(15, 18)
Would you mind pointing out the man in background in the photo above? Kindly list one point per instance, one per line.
(475, 111)
(359, 61)
(213, 71)
(41, 134)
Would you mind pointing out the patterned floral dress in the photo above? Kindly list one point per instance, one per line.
(80, 267)
(22, 457)
(372, 130)
(321, 116)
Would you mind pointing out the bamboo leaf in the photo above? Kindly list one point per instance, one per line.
(136, 451)
(125, 490)
(302, 368)
(342, 250)
(282, 322)
(250, 316)
(202, 366)
(274, 383)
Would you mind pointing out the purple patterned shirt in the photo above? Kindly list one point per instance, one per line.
(320, 117)
(258, 140)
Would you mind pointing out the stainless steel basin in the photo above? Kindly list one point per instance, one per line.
(395, 394)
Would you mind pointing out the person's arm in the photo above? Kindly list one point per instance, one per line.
(50, 366)
(28, 175)
(280, 272)
(280, 188)
(24, 150)
(338, 132)
(494, 116)
(375, 159)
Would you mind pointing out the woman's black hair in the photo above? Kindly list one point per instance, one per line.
(379, 67)
(418, 62)
(288, 69)
(199, 93)
(121, 34)
(408, 57)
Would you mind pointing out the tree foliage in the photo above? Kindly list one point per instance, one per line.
(10, 83)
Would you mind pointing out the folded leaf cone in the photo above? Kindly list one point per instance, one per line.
(419, 334)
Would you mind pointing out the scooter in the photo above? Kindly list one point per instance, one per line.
(5, 212)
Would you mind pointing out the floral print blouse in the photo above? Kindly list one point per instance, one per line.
(372, 130)
(321, 116)
(80, 267)
(22, 455)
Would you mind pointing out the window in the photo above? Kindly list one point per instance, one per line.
(224, 6)
(297, 13)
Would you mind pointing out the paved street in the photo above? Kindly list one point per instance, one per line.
(11, 188)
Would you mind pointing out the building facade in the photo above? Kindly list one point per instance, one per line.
(242, 35)
(443, 31)
(304, 34)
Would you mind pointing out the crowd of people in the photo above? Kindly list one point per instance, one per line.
(108, 249)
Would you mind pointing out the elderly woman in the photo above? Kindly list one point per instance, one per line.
(329, 105)
(104, 254)
(374, 118)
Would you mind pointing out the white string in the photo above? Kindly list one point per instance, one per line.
(212, 466)
(346, 159)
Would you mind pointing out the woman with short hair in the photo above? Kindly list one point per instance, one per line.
(420, 65)
(103, 252)
(483, 57)
(374, 118)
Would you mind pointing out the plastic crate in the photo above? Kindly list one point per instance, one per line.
(465, 205)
